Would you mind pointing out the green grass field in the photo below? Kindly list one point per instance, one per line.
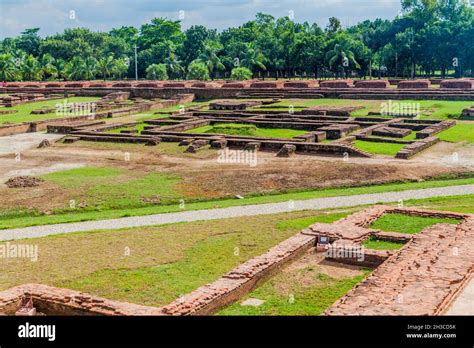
(387, 149)
(432, 109)
(110, 188)
(24, 110)
(459, 133)
(247, 130)
(139, 127)
(377, 244)
(285, 295)
(407, 224)
(148, 265)
(21, 218)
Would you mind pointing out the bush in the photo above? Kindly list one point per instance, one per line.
(197, 71)
(156, 72)
(241, 74)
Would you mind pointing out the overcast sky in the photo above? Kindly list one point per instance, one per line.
(54, 16)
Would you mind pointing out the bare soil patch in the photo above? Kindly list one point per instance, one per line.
(307, 271)
(202, 176)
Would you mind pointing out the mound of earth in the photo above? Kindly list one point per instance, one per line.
(44, 143)
(23, 181)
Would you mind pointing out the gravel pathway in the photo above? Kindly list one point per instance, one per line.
(223, 213)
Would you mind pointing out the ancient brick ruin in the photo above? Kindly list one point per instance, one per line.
(461, 89)
(322, 125)
(48, 300)
(421, 278)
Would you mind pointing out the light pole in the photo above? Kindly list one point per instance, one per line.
(136, 64)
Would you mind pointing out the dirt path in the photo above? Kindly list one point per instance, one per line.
(18, 143)
(223, 213)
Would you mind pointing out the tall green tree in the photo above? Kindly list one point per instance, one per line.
(8, 69)
(31, 69)
(209, 56)
(340, 59)
(105, 66)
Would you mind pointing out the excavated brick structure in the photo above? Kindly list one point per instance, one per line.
(422, 278)
(241, 280)
(56, 301)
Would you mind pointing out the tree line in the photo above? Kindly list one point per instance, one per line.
(427, 38)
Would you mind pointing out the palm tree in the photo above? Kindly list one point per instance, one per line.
(90, 68)
(210, 58)
(60, 65)
(253, 59)
(341, 58)
(50, 71)
(31, 69)
(173, 65)
(105, 66)
(74, 70)
(8, 69)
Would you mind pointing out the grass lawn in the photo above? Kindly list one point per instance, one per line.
(378, 244)
(407, 224)
(411, 136)
(109, 188)
(432, 109)
(458, 204)
(285, 294)
(248, 130)
(148, 265)
(378, 148)
(23, 218)
(458, 133)
(24, 110)
(139, 127)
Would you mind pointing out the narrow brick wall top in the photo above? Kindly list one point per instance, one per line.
(461, 84)
(407, 84)
(372, 84)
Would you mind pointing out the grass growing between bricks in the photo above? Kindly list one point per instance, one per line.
(247, 130)
(378, 244)
(285, 295)
(387, 149)
(406, 223)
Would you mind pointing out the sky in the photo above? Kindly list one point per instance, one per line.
(53, 16)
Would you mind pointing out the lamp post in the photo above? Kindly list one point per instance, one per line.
(136, 63)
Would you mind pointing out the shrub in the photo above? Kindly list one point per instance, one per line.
(241, 74)
(156, 72)
(198, 71)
